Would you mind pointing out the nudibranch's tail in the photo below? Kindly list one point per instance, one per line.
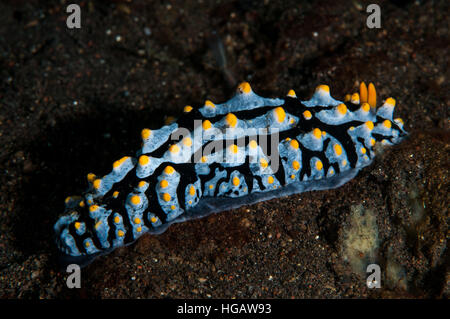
(321, 144)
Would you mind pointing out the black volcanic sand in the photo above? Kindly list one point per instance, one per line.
(73, 101)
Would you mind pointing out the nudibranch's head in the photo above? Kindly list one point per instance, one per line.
(360, 106)
(387, 129)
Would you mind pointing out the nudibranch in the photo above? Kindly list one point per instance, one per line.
(221, 156)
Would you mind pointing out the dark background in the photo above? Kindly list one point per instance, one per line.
(73, 101)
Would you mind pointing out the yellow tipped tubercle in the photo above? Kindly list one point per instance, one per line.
(244, 88)
(166, 197)
(144, 160)
(210, 104)
(231, 120)
(145, 133)
(398, 120)
(319, 165)
(206, 125)
(164, 183)
(174, 149)
(390, 101)
(91, 177)
(263, 163)
(355, 98)
(294, 144)
(169, 170)
(337, 149)
(192, 191)
(307, 115)
(142, 184)
(119, 163)
(280, 114)
(97, 183)
(323, 88)
(187, 141)
(317, 133)
(365, 107)
(342, 109)
(234, 148)
(369, 125)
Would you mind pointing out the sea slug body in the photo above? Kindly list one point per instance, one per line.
(222, 156)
